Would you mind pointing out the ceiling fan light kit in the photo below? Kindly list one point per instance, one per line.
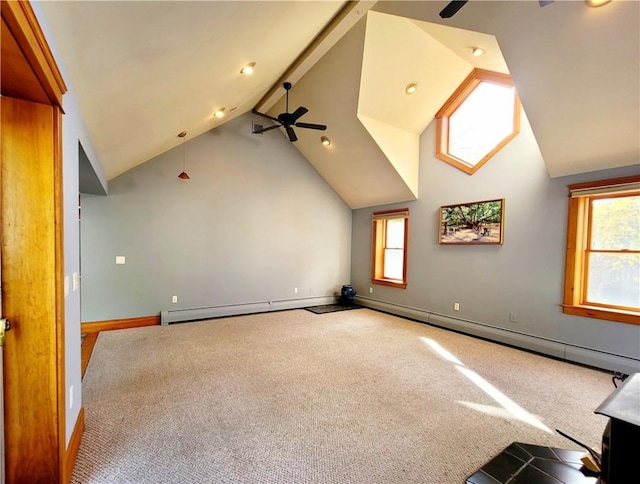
(288, 120)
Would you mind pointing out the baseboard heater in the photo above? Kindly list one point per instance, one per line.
(556, 349)
(197, 314)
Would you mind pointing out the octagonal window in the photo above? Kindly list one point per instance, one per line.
(481, 117)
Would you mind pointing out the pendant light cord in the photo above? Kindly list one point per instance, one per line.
(183, 175)
(183, 153)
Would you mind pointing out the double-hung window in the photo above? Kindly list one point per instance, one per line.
(602, 274)
(390, 233)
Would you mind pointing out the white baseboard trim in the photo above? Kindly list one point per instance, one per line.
(556, 349)
(196, 314)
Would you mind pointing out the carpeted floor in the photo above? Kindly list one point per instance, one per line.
(352, 397)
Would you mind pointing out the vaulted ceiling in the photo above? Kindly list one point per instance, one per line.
(144, 71)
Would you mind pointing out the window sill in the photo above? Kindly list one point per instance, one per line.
(616, 315)
(389, 282)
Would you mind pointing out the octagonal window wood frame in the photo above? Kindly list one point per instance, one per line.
(455, 101)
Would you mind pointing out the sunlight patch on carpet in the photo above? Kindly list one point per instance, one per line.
(509, 405)
(491, 410)
(435, 346)
(515, 409)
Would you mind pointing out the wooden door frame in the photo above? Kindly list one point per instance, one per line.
(34, 370)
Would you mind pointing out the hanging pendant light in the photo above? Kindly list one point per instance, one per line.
(183, 175)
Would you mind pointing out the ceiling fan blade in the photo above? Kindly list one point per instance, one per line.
(266, 116)
(321, 127)
(291, 133)
(262, 130)
(298, 113)
(452, 8)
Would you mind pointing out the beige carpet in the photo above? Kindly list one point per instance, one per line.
(294, 397)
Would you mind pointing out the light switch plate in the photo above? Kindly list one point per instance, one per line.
(76, 281)
(120, 259)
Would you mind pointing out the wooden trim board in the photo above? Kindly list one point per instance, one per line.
(21, 21)
(108, 325)
(32, 233)
(308, 51)
(88, 344)
(74, 446)
(31, 264)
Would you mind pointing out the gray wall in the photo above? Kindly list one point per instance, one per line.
(523, 276)
(254, 222)
(74, 133)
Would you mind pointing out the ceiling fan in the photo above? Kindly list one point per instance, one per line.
(452, 7)
(287, 120)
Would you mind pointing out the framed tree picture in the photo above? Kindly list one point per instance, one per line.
(477, 223)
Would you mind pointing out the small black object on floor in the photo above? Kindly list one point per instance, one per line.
(332, 308)
(534, 464)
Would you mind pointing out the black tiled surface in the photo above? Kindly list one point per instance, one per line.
(569, 455)
(531, 475)
(518, 451)
(533, 464)
(538, 451)
(481, 478)
(503, 466)
(563, 471)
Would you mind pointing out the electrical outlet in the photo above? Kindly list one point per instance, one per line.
(120, 259)
(456, 306)
(174, 299)
(371, 290)
(71, 396)
(295, 290)
(513, 317)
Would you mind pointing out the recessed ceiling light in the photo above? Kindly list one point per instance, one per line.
(248, 69)
(325, 141)
(411, 88)
(219, 113)
(477, 51)
(596, 3)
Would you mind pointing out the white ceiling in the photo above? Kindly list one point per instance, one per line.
(144, 71)
(358, 89)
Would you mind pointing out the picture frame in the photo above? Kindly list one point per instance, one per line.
(475, 223)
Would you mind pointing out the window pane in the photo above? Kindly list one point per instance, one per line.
(393, 260)
(481, 122)
(614, 279)
(615, 223)
(395, 233)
